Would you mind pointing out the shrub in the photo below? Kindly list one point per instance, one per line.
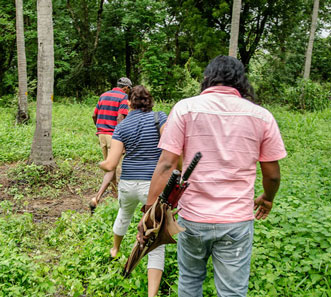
(91, 99)
(8, 101)
(21, 271)
(24, 176)
(307, 95)
(189, 86)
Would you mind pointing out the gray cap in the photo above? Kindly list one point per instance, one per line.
(124, 82)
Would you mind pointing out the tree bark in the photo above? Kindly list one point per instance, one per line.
(309, 51)
(235, 21)
(247, 47)
(128, 53)
(96, 40)
(22, 113)
(83, 27)
(41, 150)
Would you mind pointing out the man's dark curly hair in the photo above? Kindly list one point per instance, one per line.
(228, 71)
(141, 99)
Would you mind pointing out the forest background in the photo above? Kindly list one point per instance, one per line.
(51, 246)
(166, 45)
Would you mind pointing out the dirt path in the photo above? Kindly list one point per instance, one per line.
(46, 207)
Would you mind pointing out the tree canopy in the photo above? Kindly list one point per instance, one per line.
(164, 44)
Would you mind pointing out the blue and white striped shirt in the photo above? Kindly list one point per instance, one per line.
(139, 135)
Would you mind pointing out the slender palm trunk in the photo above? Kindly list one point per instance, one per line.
(22, 113)
(235, 28)
(309, 51)
(41, 151)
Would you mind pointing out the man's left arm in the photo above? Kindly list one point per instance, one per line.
(272, 149)
(271, 181)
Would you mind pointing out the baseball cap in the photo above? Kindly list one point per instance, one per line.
(124, 82)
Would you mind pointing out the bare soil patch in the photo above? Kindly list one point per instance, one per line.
(48, 205)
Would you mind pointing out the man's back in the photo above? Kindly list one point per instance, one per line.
(110, 104)
(233, 135)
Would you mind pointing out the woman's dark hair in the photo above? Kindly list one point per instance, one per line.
(141, 99)
(228, 71)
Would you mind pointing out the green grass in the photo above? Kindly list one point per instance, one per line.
(292, 248)
(73, 133)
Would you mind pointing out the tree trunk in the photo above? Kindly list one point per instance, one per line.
(311, 40)
(81, 21)
(41, 151)
(249, 40)
(128, 53)
(22, 113)
(234, 28)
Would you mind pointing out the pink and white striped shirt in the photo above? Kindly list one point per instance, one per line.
(232, 134)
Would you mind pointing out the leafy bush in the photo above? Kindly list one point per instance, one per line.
(187, 85)
(8, 101)
(269, 72)
(28, 174)
(155, 68)
(163, 106)
(15, 141)
(65, 100)
(307, 95)
(32, 174)
(27, 181)
(20, 273)
(32, 89)
(91, 100)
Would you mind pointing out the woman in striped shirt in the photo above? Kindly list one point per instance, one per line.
(138, 134)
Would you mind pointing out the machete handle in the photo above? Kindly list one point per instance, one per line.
(192, 165)
(170, 185)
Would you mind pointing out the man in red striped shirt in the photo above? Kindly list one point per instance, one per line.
(111, 109)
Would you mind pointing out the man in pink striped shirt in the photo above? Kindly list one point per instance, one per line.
(233, 134)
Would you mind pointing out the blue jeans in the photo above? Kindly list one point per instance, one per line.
(230, 246)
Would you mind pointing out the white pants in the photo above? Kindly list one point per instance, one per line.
(130, 193)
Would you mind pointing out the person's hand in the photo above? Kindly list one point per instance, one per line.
(262, 207)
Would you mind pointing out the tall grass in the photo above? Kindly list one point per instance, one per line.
(73, 133)
(292, 248)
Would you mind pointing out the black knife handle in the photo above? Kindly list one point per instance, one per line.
(192, 165)
(170, 185)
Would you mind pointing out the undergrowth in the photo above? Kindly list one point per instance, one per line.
(292, 248)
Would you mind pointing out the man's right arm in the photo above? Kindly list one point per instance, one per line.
(123, 110)
(271, 182)
(166, 164)
(120, 118)
(95, 113)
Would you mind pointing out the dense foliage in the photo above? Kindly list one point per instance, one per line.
(292, 248)
(165, 45)
(98, 41)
